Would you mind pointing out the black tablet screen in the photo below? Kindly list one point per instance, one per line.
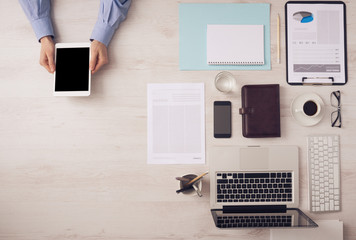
(72, 69)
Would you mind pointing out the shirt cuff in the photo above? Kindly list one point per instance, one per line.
(42, 27)
(103, 33)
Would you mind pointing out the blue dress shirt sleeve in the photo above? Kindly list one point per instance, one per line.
(111, 14)
(39, 14)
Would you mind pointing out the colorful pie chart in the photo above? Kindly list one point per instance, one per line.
(303, 17)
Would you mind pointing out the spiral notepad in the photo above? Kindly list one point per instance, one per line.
(235, 45)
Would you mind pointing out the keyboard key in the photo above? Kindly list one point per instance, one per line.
(256, 175)
(222, 181)
(220, 196)
(336, 176)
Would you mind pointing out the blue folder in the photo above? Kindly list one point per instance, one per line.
(193, 21)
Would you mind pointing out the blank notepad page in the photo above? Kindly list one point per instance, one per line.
(235, 45)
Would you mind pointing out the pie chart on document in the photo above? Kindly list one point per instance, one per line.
(303, 16)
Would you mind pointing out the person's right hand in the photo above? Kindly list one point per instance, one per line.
(47, 54)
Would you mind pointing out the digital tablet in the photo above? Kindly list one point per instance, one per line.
(72, 76)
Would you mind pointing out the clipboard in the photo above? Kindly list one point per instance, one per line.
(316, 49)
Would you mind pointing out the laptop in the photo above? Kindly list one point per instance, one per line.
(256, 186)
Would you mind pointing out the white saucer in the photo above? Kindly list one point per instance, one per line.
(300, 117)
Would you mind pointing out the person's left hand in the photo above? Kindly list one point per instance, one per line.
(99, 56)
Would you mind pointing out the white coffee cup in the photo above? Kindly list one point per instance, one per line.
(310, 108)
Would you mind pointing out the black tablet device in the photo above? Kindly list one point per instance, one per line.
(72, 76)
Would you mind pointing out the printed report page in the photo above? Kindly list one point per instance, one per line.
(315, 43)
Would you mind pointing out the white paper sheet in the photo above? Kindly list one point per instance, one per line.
(316, 47)
(235, 45)
(327, 230)
(176, 123)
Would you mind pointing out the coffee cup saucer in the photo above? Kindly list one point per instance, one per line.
(299, 116)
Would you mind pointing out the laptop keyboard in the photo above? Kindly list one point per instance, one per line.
(254, 221)
(254, 187)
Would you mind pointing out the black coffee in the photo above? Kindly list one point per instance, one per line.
(310, 108)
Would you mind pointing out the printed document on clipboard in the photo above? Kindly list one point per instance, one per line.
(316, 42)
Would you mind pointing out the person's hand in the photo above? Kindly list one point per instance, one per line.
(99, 56)
(47, 54)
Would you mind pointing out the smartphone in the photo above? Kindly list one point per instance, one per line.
(222, 119)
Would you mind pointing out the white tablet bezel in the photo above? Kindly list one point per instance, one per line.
(71, 93)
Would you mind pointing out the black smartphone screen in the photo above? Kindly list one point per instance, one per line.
(72, 69)
(222, 119)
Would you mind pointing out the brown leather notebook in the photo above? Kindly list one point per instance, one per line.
(260, 111)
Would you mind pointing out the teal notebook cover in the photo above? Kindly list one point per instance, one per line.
(193, 21)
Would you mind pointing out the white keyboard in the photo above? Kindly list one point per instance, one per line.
(324, 173)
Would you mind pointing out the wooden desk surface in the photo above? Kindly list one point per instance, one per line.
(75, 168)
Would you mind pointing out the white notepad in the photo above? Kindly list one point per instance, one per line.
(235, 45)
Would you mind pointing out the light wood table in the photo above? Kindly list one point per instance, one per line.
(75, 168)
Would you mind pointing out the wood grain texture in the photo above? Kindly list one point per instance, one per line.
(75, 168)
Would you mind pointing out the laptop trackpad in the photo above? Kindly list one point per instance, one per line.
(254, 158)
